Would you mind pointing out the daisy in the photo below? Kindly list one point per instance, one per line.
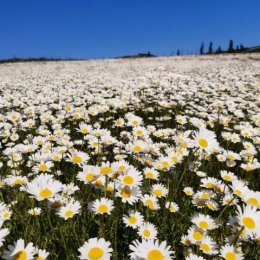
(42, 254)
(196, 235)
(88, 174)
(43, 187)
(19, 251)
(150, 201)
(252, 198)
(172, 206)
(96, 249)
(102, 206)
(138, 147)
(194, 257)
(204, 222)
(151, 173)
(105, 169)
(208, 246)
(159, 190)
(239, 188)
(127, 194)
(249, 218)
(3, 233)
(230, 253)
(188, 191)
(147, 231)
(132, 178)
(69, 210)
(206, 140)
(134, 219)
(35, 211)
(228, 176)
(43, 167)
(78, 158)
(150, 250)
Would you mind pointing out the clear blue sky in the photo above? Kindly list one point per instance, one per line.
(109, 28)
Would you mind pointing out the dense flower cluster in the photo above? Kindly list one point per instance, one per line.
(142, 160)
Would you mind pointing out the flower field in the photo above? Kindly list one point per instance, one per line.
(151, 159)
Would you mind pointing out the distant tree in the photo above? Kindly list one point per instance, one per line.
(237, 48)
(178, 52)
(231, 46)
(202, 48)
(210, 48)
(242, 47)
(218, 50)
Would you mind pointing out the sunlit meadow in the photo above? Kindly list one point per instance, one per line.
(141, 159)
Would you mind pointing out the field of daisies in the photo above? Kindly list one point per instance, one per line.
(149, 159)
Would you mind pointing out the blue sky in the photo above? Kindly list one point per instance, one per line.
(110, 28)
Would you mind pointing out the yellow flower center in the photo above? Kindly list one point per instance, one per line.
(89, 176)
(205, 247)
(43, 168)
(68, 213)
(126, 193)
(137, 148)
(197, 235)
(135, 122)
(172, 208)
(132, 220)
(6, 215)
(18, 182)
(56, 158)
(230, 256)
(76, 159)
(40, 258)
(99, 183)
(248, 222)
(128, 180)
(175, 159)
(238, 192)
(209, 185)
(158, 193)
(165, 164)
(121, 168)
(139, 132)
(253, 201)
(227, 178)
(95, 253)
(203, 143)
(149, 175)
(106, 170)
(155, 254)
(205, 196)
(45, 193)
(21, 255)
(204, 225)
(103, 209)
(147, 233)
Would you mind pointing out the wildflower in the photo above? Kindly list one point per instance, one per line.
(102, 206)
(150, 250)
(96, 249)
(19, 251)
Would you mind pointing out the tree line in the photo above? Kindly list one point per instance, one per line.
(231, 49)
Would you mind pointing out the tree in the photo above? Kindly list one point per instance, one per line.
(237, 48)
(242, 47)
(210, 48)
(231, 46)
(202, 48)
(178, 52)
(218, 50)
